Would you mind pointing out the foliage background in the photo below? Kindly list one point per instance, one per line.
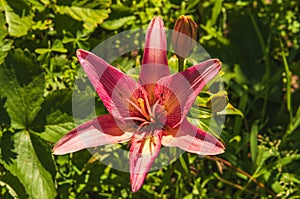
(258, 43)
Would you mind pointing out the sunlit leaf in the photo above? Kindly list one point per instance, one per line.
(11, 191)
(117, 23)
(37, 5)
(3, 29)
(17, 25)
(5, 46)
(295, 122)
(28, 168)
(57, 46)
(230, 110)
(215, 12)
(90, 14)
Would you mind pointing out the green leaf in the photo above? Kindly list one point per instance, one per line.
(10, 190)
(58, 46)
(200, 112)
(210, 125)
(202, 107)
(242, 106)
(20, 7)
(80, 40)
(37, 5)
(230, 110)
(28, 168)
(3, 29)
(53, 132)
(217, 101)
(253, 140)
(282, 162)
(42, 50)
(6, 147)
(17, 189)
(117, 23)
(55, 116)
(216, 12)
(183, 159)
(24, 106)
(262, 155)
(5, 46)
(295, 122)
(22, 65)
(4, 117)
(214, 33)
(90, 14)
(19, 77)
(43, 152)
(17, 25)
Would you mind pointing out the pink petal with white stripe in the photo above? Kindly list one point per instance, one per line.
(192, 139)
(99, 131)
(186, 85)
(111, 84)
(155, 63)
(143, 152)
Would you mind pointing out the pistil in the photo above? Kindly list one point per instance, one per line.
(151, 115)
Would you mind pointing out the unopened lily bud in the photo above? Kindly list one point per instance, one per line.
(184, 36)
(217, 102)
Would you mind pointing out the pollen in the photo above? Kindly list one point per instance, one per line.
(141, 103)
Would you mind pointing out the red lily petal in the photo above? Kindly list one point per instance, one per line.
(186, 85)
(155, 63)
(99, 131)
(192, 139)
(143, 152)
(111, 84)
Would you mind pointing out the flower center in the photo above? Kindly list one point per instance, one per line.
(147, 117)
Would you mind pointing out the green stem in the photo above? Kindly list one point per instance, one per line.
(288, 83)
(294, 121)
(180, 63)
(265, 49)
(266, 77)
(251, 178)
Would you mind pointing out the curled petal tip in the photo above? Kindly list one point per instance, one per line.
(58, 151)
(134, 188)
(82, 54)
(221, 148)
(217, 61)
(215, 149)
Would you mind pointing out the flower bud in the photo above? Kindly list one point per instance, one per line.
(217, 102)
(184, 36)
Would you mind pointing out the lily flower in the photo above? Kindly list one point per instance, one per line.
(150, 113)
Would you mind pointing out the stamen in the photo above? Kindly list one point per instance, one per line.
(147, 103)
(135, 118)
(142, 105)
(138, 108)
